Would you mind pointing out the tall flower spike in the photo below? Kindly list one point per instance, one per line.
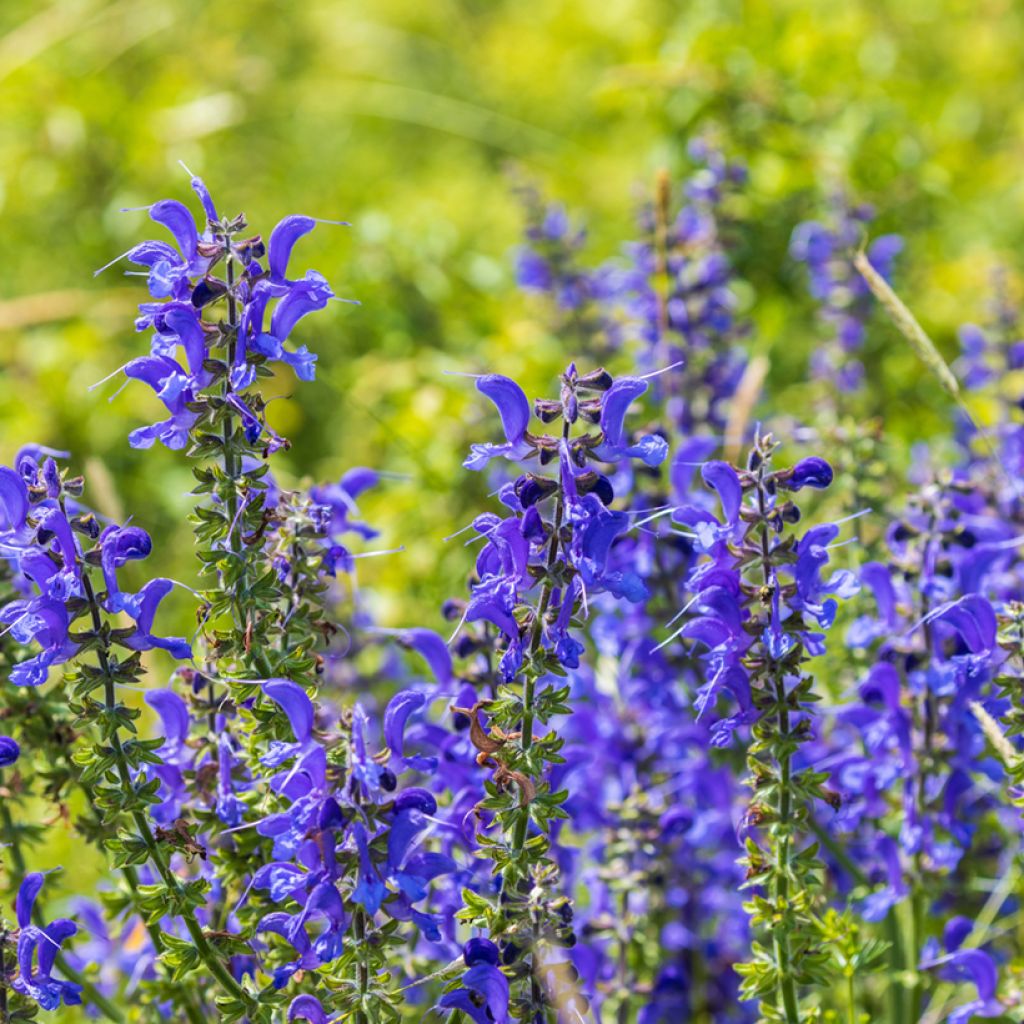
(538, 569)
(759, 602)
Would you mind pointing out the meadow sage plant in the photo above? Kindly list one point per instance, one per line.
(682, 757)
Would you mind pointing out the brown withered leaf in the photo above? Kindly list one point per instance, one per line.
(478, 735)
(527, 790)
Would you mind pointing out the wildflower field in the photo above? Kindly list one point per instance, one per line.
(593, 593)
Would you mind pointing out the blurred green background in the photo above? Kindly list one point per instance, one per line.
(405, 118)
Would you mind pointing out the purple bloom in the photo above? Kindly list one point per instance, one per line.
(9, 751)
(37, 951)
(651, 450)
(44, 621)
(307, 1008)
(811, 472)
(514, 410)
(484, 991)
(843, 296)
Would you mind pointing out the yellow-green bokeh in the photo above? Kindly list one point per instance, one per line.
(405, 118)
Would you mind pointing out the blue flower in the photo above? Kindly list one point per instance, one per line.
(9, 751)
(514, 410)
(118, 546)
(175, 755)
(650, 449)
(307, 1008)
(37, 951)
(44, 621)
(484, 991)
(976, 967)
(810, 472)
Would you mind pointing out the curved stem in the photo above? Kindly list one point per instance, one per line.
(780, 936)
(536, 637)
(170, 879)
(788, 1000)
(362, 974)
(231, 467)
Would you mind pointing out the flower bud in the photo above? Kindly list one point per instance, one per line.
(810, 472)
(480, 951)
(9, 751)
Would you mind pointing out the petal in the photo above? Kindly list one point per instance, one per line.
(724, 480)
(281, 880)
(307, 1008)
(304, 297)
(178, 220)
(399, 708)
(973, 618)
(173, 713)
(292, 699)
(614, 406)
(811, 472)
(511, 403)
(282, 241)
(27, 893)
(147, 254)
(55, 933)
(480, 951)
(358, 479)
(434, 651)
(182, 320)
(9, 751)
(200, 189)
(492, 985)
(13, 499)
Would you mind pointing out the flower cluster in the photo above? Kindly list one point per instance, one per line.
(842, 296)
(638, 782)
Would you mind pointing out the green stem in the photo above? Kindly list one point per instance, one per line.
(207, 955)
(892, 929)
(788, 1001)
(4, 1016)
(257, 656)
(915, 923)
(519, 838)
(780, 935)
(362, 973)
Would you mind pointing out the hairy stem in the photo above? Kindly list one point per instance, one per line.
(780, 936)
(170, 879)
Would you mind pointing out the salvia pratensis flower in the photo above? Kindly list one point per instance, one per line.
(37, 951)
